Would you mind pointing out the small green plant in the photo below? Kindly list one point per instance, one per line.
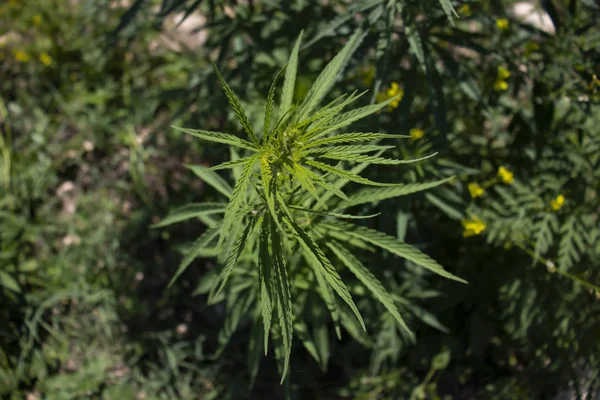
(284, 224)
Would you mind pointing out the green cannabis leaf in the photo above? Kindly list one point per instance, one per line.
(281, 210)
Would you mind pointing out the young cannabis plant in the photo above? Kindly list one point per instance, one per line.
(284, 218)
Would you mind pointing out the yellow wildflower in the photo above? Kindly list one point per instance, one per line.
(473, 226)
(465, 10)
(505, 175)
(393, 91)
(37, 19)
(502, 24)
(557, 203)
(503, 73)
(45, 59)
(500, 85)
(475, 190)
(22, 56)
(416, 133)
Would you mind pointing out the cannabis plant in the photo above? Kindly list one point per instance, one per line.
(284, 234)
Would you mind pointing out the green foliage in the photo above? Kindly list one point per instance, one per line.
(289, 187)
(314, 255)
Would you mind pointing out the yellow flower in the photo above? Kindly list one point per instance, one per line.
(473, 226)
(505, 175)
(500, 85)
(37, 19)
(557, 203)
(502, 24)
(475, 190)
(393, 91)
(465, 10)
(503, 73)
(45, 59)
(416, 133)
(22, 56)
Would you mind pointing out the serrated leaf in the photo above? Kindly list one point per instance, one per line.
(346, 174)
(331, 275)
(232, 164)
(264, 279)
(352, 137)
(348, 149)
(349, 117)
(341, 156)
(233, 257)
(326, 292)
(328, 75)
(194, 252)
(331, 26)
(392, 245)
(284, 299)
(237, 197)
(190, 211)
(289, 82)
(218, 137)
(237, 106)
(369, 280)
(212, 179)
(270, 106)
(332, 214)
(371, 195)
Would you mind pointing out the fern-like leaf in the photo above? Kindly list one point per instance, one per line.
(544, 236)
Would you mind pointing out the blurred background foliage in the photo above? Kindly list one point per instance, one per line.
(506, 92)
